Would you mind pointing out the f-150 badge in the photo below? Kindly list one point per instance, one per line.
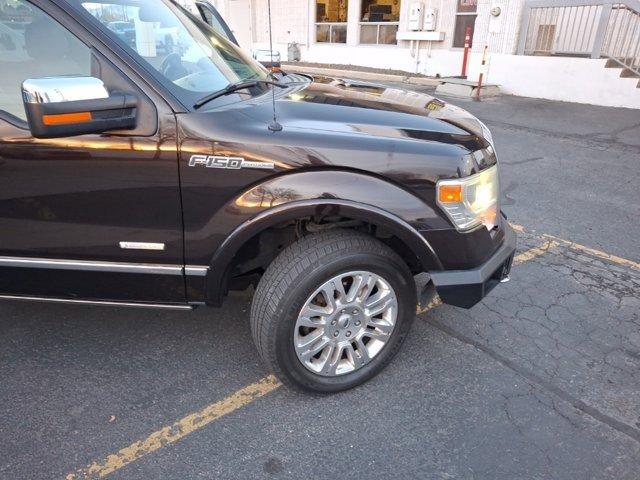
(231, 163)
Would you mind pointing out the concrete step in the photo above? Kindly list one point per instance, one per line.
(628, 73)
(611, 63)
(465, 88)
(624, 72)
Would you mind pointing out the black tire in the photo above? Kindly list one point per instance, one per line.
(292, 278)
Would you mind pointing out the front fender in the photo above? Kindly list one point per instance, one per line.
(301, 194)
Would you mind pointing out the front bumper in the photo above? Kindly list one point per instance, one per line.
(465, 288)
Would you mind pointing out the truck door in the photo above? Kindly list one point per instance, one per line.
(212, 17)
(93, 217)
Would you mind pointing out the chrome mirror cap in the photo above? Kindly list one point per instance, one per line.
(62, 89)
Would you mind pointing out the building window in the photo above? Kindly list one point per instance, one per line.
(465, 17)
(379, 20)
(331, 21)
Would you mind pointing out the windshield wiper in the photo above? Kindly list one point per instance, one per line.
(234, 87)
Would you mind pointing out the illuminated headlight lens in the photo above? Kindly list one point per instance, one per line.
(471, 201)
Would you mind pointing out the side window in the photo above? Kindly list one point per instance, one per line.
(181, 50)
(208, 17)
(34, 45)
(212, 20)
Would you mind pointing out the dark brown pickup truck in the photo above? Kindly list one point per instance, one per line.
(145, 160)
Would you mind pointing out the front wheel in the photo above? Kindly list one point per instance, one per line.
(332, 310)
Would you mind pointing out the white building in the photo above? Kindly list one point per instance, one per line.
(536, 48)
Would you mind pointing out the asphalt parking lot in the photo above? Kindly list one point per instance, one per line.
(539, 381)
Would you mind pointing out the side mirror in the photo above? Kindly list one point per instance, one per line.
(67, 106)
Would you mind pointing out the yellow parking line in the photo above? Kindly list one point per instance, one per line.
(177, 431)
(432, 304)
(592, 251)
(595, 252)
(517, 260)
(534, 252)
(248, 394)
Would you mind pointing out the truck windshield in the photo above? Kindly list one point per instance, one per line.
(191, 58)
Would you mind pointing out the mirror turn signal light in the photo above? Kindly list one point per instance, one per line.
(450, 193)
(67, 118)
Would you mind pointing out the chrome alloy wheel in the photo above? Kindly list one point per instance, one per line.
(345, 323)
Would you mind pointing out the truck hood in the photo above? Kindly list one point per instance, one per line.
(332, 107)
(380, 110)
(409, 136)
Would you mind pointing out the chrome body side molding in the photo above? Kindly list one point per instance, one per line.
(196, 270)
(93, 266)
(97, 302)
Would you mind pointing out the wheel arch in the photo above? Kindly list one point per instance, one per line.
(223, 259)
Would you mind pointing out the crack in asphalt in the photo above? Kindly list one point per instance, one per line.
(556, 337)
(520, 162)
(513, 420)
(577, 403)
(615, 133)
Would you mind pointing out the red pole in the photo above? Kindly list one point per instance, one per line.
(465, 56)
(484, 62)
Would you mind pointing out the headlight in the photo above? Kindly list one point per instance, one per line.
(471, 201)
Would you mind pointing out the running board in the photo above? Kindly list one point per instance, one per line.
(163, 306)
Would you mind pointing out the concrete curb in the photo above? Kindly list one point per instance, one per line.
(460, 90)
(356, 74)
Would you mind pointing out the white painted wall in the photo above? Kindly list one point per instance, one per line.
(294, 20)
(383, 56)
(569, 79)
(239, 17)
(580, 80)
(437, 62)
(289, 21)
(500, 33)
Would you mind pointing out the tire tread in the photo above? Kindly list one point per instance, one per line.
(289, 268)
